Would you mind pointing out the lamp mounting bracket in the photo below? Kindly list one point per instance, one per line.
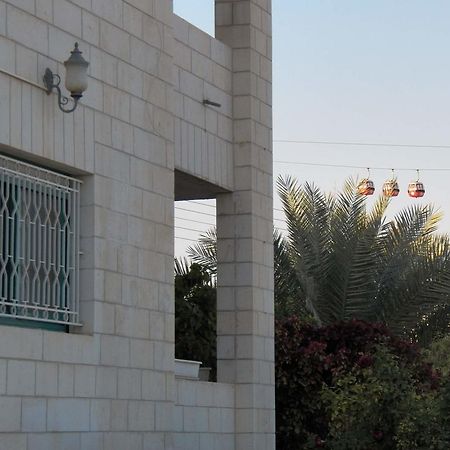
(52, 81)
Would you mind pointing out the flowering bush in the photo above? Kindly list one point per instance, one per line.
(354, 386)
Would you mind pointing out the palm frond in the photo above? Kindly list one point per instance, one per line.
(424, 285)
(182, 266)
(347, 221)
(204, 252)
(289, 295)
(404, 256)
(306, 210)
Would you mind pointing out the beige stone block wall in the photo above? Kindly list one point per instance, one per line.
(204, 416)
(245, 227)
(203, 134)
(110, 384)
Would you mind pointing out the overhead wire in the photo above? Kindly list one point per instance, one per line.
(195, 230)
(208, 224)
(194, 221)
(203, 213)
(189, 229)
(358, 144)
(185, 239)
(343, 166)
(195, 212)
(363, 144)
(210, 206)
(198, 202)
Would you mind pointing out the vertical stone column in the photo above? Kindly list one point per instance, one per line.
(245, 227)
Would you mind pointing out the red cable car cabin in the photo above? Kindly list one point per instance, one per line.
(416, 189)
(366, 187)
(390, 188)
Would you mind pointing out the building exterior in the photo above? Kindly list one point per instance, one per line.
(87, 225)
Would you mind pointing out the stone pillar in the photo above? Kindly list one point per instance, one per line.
(245, 227)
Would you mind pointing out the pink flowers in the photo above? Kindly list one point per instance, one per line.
(315, 347)
(320, 443)
(378, 435)
(365, 361)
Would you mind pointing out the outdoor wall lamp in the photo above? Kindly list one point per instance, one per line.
(76, 80)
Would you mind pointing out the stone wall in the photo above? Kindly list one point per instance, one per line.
(245, 227)
(110, 384)
(204, 416)
(203, 135)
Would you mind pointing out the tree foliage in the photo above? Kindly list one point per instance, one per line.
(195, 314)
(341, 260)
(355, 386)
(439, 355)
(351, 262)
(204, 252)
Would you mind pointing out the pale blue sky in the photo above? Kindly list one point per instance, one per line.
(364, 71)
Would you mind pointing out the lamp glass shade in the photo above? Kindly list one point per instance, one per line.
(76, 73)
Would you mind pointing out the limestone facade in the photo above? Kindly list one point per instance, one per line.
(140, 139)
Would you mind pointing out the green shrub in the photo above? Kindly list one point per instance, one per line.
(381, 407)
(354, 386)
(195, 316)
(439, 355)
(425, 423)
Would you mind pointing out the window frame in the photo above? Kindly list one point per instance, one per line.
(40, 245)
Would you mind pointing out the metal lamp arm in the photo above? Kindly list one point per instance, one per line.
(52, 81)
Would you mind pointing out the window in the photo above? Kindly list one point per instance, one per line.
(39, 244)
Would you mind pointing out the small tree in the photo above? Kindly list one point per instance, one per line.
(195, 314)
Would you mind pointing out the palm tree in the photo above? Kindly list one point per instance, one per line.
(354, 263)
(287, 287)
(341, 260)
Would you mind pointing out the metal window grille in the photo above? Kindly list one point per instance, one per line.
(39, 244)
